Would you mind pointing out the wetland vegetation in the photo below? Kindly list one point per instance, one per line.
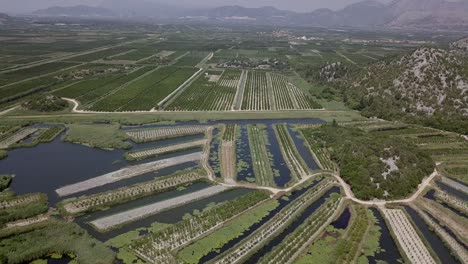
(197, 143)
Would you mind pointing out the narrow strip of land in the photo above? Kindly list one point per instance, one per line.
(126, 173)
(137, 213)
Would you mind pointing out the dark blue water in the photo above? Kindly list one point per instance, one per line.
(447, 229)
(296, 223)
(243, 154)
(277, 161)
(170, 216)
(436, 243)
(452, 191)
(388, 249)
(282, 203)
(431, 196)
(52, 165)
(239, 122)
(343, 221)
(303, 150)
(213, 161)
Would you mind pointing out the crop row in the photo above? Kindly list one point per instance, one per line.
(204, 94)
(274, 226)
(22, 207)
(292, 244)
(96, 201)
(18, 136)
(321, 155)
(192, 59)
(452, 201)
(290, 154)
(50, 134)
(348, 247)
(146, 153)
(260, 158)
(152, 96)
(156, 247)
(283, 100)
(146, 92)
(21, 200)
(147, 135)
(256, 94)
(230, 132)
(91, 90)
(407, 237)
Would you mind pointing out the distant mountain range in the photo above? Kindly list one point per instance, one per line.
(370, 13)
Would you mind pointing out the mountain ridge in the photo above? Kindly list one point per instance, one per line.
(364, 14)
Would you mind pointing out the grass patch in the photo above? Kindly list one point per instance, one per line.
(5, 181)
(97, 136)
(58, 237)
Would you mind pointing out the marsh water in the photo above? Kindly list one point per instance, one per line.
(49, 166)
(295, 224)
(434, 241)
(282, 203)
(343, 220)
(388, 249)
(167, 217)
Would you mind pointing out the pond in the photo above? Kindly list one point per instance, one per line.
(49, 166)
(343, 220)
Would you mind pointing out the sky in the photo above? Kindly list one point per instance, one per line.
(23, 6)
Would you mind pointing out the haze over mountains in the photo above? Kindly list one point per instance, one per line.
(370, 13)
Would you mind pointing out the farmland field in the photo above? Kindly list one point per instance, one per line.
(224, 141)
(146, 92)
(214, 91)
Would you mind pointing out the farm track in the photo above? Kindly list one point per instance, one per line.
(270, 90)
(142, 154)
(111, 221)
(237, 105)
(126, 173)
(346, 58)
(56, 59)
(123, 86)
(228, 161)
(407, 237)
(173, 96)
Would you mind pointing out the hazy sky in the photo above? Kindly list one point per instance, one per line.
(18, 6)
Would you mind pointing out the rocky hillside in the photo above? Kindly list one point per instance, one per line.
(429, 85)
